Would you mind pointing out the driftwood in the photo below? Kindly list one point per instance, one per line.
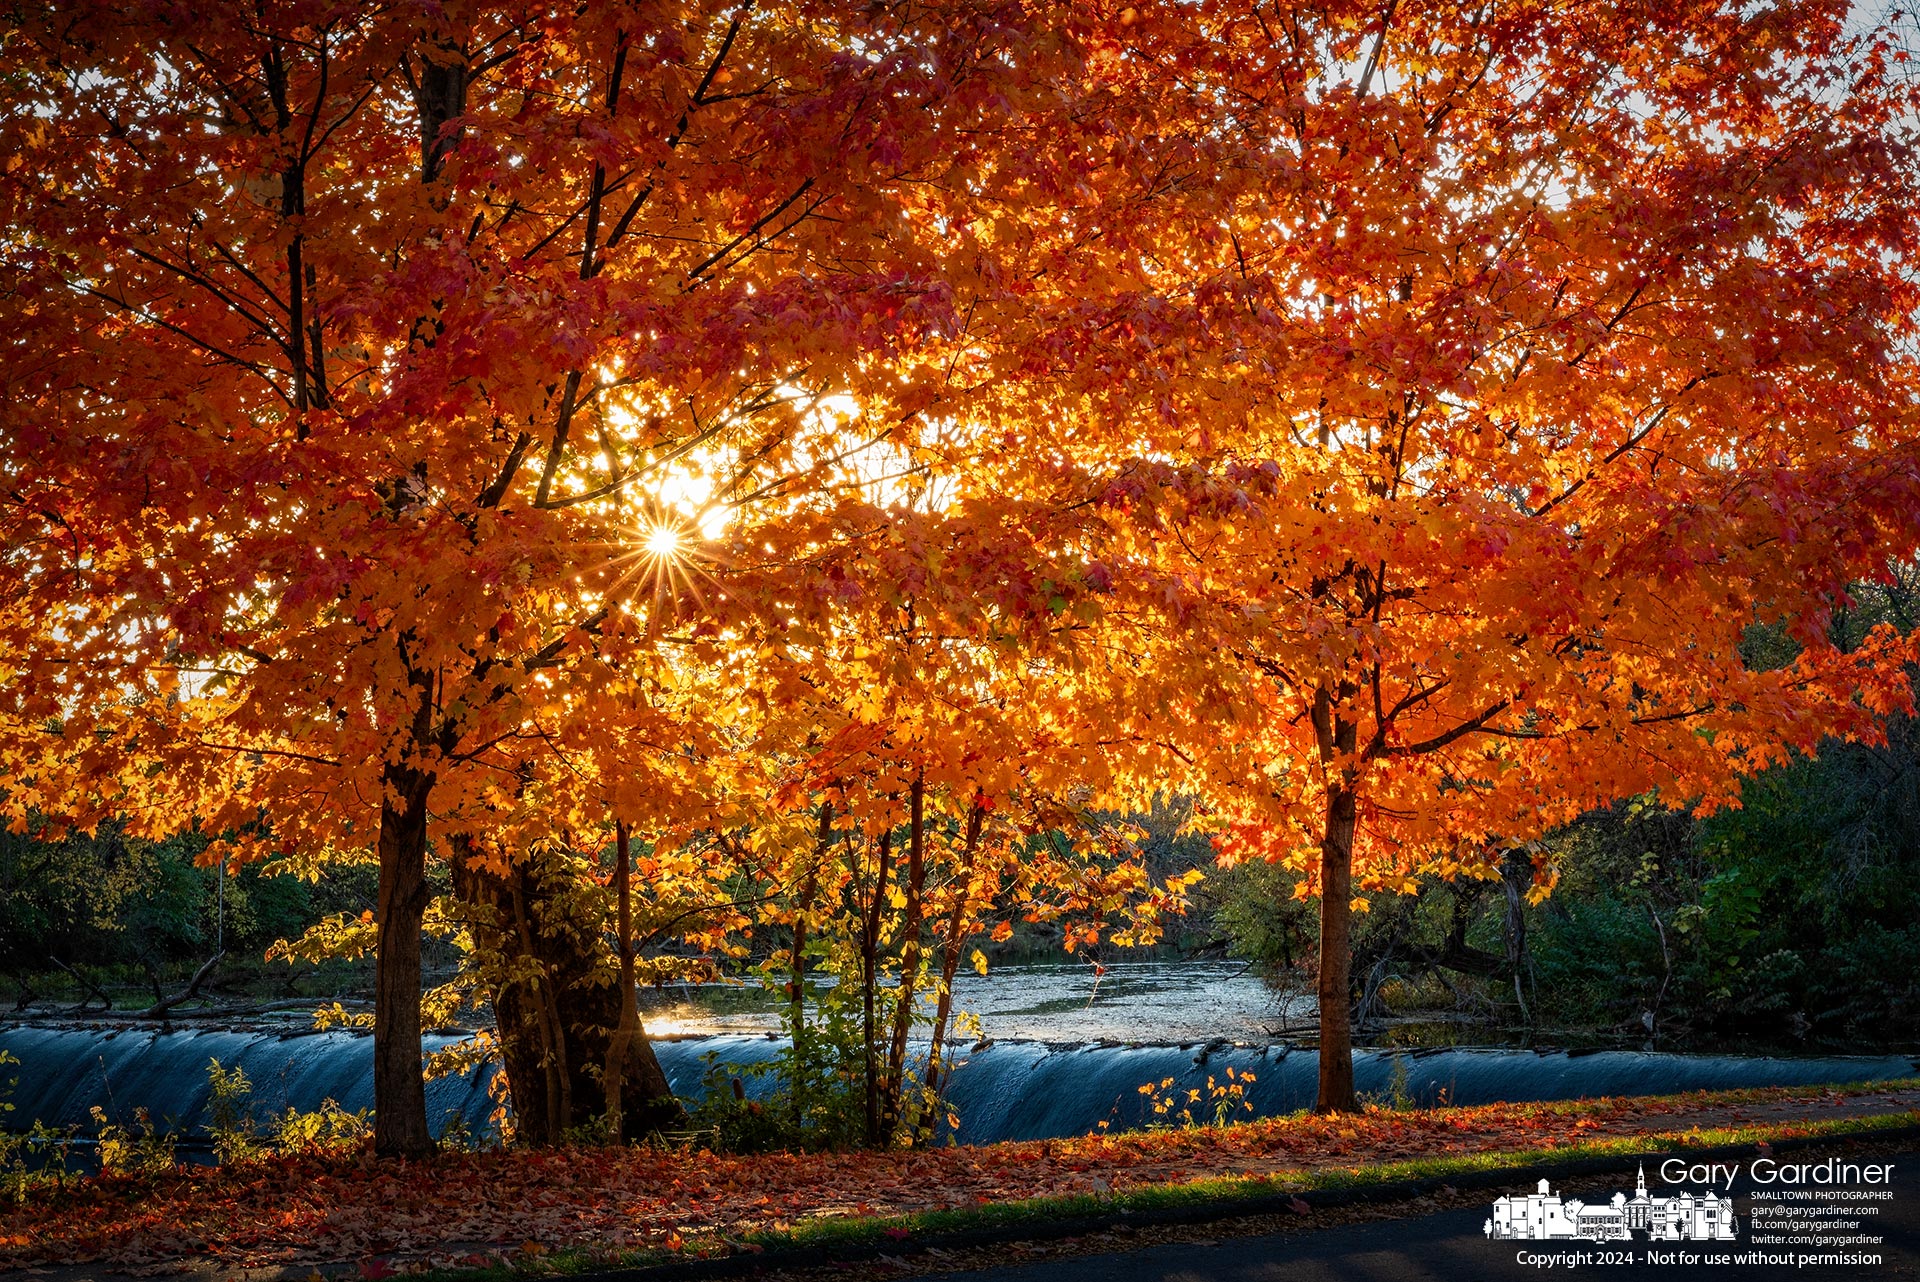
(199, 1015)
(268, 1008)
(92, 990)
(160, 1008)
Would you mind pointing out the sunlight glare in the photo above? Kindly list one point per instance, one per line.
(663, 542)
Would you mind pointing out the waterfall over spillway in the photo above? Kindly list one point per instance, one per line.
(65, 1072)
(1004, 1091)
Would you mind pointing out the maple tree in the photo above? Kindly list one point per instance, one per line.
(345, 353)
(531, 429)
(1524, 360)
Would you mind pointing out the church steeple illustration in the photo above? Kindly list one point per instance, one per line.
(1544, 1214)
(1640, 1210)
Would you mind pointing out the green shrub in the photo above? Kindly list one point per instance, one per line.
(143, 1149)
(329, 1130)
(230, 1121)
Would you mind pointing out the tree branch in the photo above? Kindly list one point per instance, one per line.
(1460, 731)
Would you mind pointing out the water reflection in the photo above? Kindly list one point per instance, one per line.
(1143, 1001)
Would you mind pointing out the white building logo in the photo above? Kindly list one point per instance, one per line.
(1540, 1216)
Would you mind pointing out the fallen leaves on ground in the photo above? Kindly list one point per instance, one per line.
(495, 1205)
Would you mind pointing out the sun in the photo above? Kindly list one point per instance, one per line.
(662, 542)
(660, 554)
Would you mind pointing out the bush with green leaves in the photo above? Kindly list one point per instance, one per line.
(1793, 918)
(326, 1131)
(239, 1137)
(141, 1149)
(230, 1120)
(814, 1093)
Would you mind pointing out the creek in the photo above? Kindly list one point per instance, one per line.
(1070, 1050)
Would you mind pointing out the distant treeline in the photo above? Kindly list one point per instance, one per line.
(1794, 919)
(99, 918)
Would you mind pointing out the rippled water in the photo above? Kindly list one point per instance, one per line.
(1149, 1001)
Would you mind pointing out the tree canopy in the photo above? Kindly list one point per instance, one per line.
(446, 428)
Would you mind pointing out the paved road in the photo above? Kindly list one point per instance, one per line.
(1450, 1247)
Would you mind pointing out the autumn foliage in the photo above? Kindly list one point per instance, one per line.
(490, 1208)
(850, 447)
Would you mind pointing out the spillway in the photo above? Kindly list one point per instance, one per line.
(1008, 1090)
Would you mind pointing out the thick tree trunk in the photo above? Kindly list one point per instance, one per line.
(1336, 957)
(648, 1106)
(543, 984)
(555, 1012)
(399, 1091)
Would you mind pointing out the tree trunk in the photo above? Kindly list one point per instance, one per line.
(399, 1090)
(797, 968)
(487, 902)
(869, 982)
(896, 1077)
(1516, 877)
(1336, 737)
(639, 1100)
(542, 982)
(615, 1076)
(1336, 957)
(950, 941)
(554, 1009)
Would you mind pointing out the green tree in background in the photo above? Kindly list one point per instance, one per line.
(90, 914)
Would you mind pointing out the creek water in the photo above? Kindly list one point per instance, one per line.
(1143, 1001)
(1063, 1051)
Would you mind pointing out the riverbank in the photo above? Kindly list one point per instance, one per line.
(580, 1210)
